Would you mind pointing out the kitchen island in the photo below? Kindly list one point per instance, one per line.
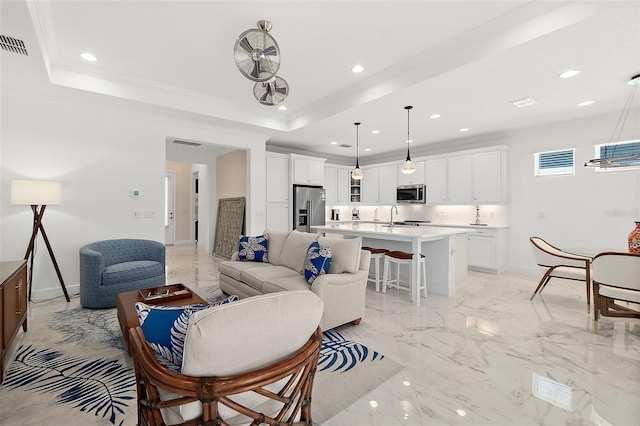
(444, 249)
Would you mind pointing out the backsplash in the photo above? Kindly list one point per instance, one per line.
(458, 215)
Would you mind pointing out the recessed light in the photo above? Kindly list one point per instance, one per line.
(569, 73)
(434, 116)
(585, 103)
(334, 143)
(88, 57)
(464, 129)
(367, 149)
(282, 108)
(357, 69)
(375, 132)
(524, 102)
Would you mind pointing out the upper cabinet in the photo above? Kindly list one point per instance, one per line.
(474, 178)
(307, 170)
(418, 177)
(277, 178)
(336, 185)
(379, 186)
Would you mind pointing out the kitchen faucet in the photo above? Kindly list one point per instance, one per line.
(393, 207)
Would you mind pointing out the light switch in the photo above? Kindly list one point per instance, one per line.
(137, 214)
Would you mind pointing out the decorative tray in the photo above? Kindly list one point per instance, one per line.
(165, 293)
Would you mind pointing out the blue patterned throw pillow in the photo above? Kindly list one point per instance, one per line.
(317, 261)
(165, 328)
(253, 248)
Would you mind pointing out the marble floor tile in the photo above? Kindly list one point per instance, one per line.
(486, 355)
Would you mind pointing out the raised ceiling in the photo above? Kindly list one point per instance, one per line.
(465, 60)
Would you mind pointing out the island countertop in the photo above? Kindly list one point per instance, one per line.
(438, 243)
(386, 232)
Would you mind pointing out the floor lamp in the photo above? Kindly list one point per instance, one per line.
(38, 194)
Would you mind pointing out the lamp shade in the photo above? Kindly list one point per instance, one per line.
(35, 192)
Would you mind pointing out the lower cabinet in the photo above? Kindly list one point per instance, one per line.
(13, 304)
(487, 250)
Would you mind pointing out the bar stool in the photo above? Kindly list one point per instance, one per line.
(376, 255)
(403, 258)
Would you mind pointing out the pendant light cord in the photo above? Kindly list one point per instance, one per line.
(408, 108)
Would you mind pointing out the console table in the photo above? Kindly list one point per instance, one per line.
(13, 303)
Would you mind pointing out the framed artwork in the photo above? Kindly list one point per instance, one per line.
(229, 226)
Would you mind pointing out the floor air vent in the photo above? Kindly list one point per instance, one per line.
(14, 45)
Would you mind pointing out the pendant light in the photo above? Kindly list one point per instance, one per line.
(408, 167)
(357, 173)
(621, 155)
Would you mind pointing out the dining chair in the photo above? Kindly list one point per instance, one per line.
(616, 277)
(559, 264)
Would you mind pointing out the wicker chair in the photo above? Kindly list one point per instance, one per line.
(245, 381)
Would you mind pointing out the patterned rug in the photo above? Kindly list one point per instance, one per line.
(72, 368)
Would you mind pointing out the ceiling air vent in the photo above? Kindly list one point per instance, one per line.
(187, 143)
(344, 145)
(13, 45)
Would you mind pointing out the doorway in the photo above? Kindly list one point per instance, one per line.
(169, 206)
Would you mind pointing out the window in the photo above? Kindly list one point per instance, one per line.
(554, 163)
(619, 153)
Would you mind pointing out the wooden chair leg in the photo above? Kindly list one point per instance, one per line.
(356, 321)
(543, 282)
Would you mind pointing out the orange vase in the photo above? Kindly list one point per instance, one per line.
(634, 239)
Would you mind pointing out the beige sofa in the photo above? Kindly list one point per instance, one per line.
(342, 289)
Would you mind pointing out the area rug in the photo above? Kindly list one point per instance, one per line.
(72, 368)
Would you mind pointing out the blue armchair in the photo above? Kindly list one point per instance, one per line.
(113, 266)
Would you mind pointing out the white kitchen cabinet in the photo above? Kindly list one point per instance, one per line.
(387, 184)
(308, 170)
(487, 250)
(336, 185)
(370, 186)
(474, 178)
(488, 177)
(436, 181)
(277, 178)
(418, 177)
(459, 180)
(379, 185)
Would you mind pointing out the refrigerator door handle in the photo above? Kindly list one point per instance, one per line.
(309, 217)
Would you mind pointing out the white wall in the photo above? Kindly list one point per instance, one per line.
(99, 154)
(586, 210)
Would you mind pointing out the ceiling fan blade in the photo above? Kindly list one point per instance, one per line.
(264, 97)
(270, 51)
(282, 90)
(255, 73)
(246, 45)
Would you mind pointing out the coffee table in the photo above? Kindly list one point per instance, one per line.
(128, 317)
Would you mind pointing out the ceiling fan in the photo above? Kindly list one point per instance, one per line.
(257, 56)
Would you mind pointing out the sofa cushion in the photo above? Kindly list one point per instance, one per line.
(345, 254)
(253, 249)
(165, 328)
(126, 272)
(274, 285)
(295, 249)
(317, 261)
(276, 242)
(234, 268)
(254, 277)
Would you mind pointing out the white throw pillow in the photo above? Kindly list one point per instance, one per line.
(295, 250)
(345, 254)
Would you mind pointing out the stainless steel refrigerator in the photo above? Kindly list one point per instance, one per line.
(308, 207)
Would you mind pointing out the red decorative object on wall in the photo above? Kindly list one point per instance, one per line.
(634, 239)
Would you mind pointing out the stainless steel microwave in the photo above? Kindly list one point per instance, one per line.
(410, 194)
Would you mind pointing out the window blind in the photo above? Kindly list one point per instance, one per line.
(552, 163)
(625, 149)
